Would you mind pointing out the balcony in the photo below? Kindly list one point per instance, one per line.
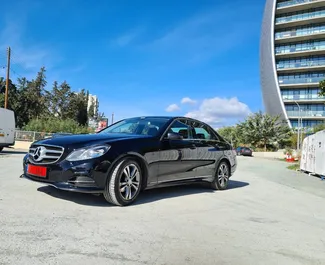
(301, 66)
(298, 5)
(295, 51)
(301, 82)
(305, 98)
(314, 114)
(300, 20)
(294, 35)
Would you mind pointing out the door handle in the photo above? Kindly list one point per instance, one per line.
(193, 146)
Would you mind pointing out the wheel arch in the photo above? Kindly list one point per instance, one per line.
(138, 158)
(224, 159)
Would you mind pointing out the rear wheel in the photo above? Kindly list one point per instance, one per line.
(124, 184)
(222, 177)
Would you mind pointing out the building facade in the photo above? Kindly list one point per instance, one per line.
(292, 60)
(92, 100)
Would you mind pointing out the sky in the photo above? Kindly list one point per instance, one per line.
(178, 58)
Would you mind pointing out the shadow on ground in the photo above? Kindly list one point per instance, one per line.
(8, 151)
(148, 196)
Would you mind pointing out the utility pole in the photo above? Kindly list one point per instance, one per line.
(300, 128)
(7, 80)
(112, 117)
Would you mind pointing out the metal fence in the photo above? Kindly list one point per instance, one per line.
(30, 136)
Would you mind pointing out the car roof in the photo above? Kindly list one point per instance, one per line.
(166, 117)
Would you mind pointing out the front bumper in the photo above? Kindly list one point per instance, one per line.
(83, 176)
(66, 186)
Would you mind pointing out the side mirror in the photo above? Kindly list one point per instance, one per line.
(174, 136)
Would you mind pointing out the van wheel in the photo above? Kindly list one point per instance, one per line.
(124, 184)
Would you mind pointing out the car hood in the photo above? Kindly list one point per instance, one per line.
(77, 140)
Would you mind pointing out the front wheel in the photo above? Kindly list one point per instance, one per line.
(222, 177)
(124, 184)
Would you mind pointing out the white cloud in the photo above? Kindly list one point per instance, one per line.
(172, 108)
(127, 38)
(218, 110)
(78, 68)
(188, 100)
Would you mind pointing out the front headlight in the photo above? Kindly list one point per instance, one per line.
(88, 153)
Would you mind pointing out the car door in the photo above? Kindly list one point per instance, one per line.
(176, 156)
(210, 149)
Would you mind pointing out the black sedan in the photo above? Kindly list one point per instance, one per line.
(133, 155)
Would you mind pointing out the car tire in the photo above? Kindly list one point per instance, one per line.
(1, 148)
(126, 174)
(222, 175)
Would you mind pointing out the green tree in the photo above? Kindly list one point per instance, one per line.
(30, 100)
(52, 99)
(262, 130)
(2, 86)
(91, 111)
(96, 109)
(59, 100)
(294, 140)
(14, 100)
(230, 133)
(321, 88)
(23, 111)
(78, 107)
(12, 94)
(35, 96)
(318, 128)
(100, 116)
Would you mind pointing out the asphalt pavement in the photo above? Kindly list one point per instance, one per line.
(269, 215)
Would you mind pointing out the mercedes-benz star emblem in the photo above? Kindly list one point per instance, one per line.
(39, 153)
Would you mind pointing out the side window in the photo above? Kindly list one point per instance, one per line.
(181, 128)
(201, 131)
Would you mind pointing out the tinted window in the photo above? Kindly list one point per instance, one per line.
(181, 128)
(202, 131)
(142, 125)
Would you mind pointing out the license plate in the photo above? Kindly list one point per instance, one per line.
(37, 171)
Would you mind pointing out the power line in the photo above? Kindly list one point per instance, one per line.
(12, 70)
(3, 55)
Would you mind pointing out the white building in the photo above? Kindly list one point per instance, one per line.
(92, 99)
(293, 60)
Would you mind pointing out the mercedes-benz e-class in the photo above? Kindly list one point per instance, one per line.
(133, 155)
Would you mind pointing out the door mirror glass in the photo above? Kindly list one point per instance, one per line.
(174, 136)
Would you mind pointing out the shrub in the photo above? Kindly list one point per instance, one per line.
(56, 125)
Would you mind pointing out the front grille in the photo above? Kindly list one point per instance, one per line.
(45, 154)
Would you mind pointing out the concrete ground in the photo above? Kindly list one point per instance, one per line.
(269, 215)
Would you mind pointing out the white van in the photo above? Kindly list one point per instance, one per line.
(7, 128)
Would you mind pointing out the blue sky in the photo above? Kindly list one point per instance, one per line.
(143, 57)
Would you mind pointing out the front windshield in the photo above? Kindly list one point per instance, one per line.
(143, 126)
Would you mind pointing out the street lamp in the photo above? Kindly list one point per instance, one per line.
(299, 124)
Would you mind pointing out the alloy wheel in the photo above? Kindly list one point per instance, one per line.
(223, 175)
(129, 182)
